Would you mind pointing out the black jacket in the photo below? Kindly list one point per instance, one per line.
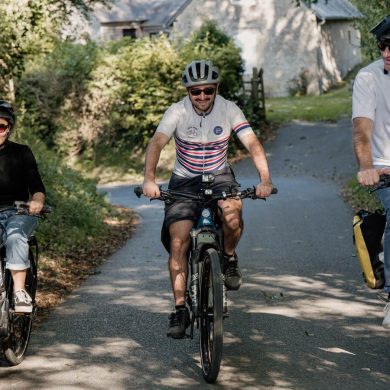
(19, 175)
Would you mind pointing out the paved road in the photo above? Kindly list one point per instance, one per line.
(303, 319)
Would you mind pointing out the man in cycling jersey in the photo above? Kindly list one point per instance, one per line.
(371, 124)
(201, 125)
(19, 181)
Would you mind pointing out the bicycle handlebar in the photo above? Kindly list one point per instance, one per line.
(384, 182)
(22, 208)
(174, 195)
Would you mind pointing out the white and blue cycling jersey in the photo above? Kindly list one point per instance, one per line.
(202, 139)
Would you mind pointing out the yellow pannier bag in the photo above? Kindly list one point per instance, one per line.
(368, 231)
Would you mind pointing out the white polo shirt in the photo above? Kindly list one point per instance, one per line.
(371, 99)
(202, 139)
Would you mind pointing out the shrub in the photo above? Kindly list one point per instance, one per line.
(100, 104)
(130, 90)
(79, 210)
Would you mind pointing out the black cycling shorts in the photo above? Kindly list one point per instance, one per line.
(187, 209)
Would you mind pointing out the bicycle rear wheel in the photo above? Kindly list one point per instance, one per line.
(20, 325)
(211, 316)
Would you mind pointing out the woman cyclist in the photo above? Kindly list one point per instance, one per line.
(19, 181)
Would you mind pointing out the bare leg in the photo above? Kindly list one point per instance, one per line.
(232, 223)
(178, 264)
(19, 278)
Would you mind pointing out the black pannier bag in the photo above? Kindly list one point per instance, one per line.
(368, 231)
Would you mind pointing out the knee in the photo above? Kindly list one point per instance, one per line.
(177, 259)
(233, 221)
(178, 246)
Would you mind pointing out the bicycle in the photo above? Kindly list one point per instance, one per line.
(206, 292)
(15, 328)
(384, 182)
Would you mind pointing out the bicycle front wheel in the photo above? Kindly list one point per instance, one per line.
(20, 324)
(211, 316)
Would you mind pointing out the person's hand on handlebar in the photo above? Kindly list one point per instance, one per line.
(263, 189)
(370, 176)
(36, 203)
(35, 207)
(150, 189)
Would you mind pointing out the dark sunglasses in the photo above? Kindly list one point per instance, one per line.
(382, 45)
(3, 127)
(207, 91)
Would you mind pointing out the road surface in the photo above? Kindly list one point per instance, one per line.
(302, 320)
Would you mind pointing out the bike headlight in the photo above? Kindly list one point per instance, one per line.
(206, 213)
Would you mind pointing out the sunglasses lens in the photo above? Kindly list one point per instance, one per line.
(209, 91)
(206, 91)
(3, 127)
(195, 92)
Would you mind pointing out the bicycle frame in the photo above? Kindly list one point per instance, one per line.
(206, 234)
(15, 328)
(205, 284)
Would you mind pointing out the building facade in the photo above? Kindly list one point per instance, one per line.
(303, 49)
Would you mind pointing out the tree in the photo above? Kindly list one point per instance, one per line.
(373, 12)
(28, 27)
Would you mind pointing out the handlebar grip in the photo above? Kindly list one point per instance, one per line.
(274, 190)
(138, 191)
(47, 209)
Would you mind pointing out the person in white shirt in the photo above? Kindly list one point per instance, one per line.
(201, 125)
(371, 125)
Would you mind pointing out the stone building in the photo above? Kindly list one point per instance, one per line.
(306, 48)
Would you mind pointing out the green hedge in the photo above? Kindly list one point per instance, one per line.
(98, 105)
(78, 210)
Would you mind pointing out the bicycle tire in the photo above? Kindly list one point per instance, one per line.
(211, 316)
(20, 326)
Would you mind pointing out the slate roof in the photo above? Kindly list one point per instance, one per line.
(149, 12)
(163, 12)
(335, 9)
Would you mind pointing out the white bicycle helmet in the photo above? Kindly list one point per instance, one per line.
(200, 72)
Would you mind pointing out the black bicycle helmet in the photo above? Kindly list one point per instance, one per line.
(382, 30)
(200, 72)
(7, 112)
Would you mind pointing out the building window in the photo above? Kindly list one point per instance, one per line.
(129, 32)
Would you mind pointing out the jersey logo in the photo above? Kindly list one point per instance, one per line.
(192, 132)
(218, 130)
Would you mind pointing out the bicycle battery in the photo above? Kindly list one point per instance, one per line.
(368, 231)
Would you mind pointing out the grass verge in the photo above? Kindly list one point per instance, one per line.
(360, 198)
(330, 106)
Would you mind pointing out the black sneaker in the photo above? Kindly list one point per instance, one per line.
(233, 277)
(179, 321)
